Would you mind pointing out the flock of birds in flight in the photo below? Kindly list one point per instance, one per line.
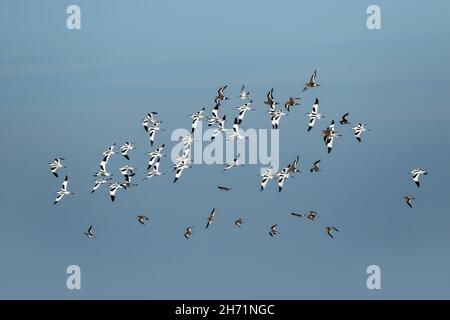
(152, 126)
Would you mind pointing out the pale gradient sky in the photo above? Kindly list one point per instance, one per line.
(74, 93)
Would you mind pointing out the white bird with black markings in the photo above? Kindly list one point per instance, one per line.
(243, 93)
(152, 132)
(284, 174)
(292, 102)
(154, 156)
(242, 110)
(358, 130)
(187, 140)
(408, 200)
(141, 219)
(221, 95)
(271, 100)
(63, 191)
(103, 172)
(330, 231)
(98, 183)
(233, 164)
(126, 170)
(55, 165)
(113, 189)
(179, 167)
(188, 233)
(90, 233)
(314, 115)
(312, 83)
(275, 117)
(415, 175)
(211, 218)
(155, 170)
(127, 146)
(196, 117)
(235, 131)
(109, 152)
(149, 120)
(329, 134)
(273, 231)
(267, 175)
(214, 115)
(316, 167)
(220, 128)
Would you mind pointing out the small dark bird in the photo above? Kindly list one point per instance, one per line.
(300, 215)
(141, 219)
(344, 119)
(330, 231)
(408, 200)
(223, 188)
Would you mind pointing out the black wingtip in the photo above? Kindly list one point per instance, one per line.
(329, 150)
(359, 139)
(417, 184)
(127, 157)
(309, 129)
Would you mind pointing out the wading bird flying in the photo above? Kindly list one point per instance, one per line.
(55, 165)
(312, 82)
(63, 192)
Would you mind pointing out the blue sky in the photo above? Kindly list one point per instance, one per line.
(74, 93)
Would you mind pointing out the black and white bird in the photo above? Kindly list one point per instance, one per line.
(284, 174)
(109, 152)
(225, 189)
(154, 156)
(103, 172)
(127, 146)
(141, 219)
(270, 100)
(358, 130)
(196, 117)
(312, 82)
(243, 93)
(214, 115)
(220, 128)
(298, 215)
(152, 132)
(90, 233)
(188, 233)
(127, 170)
(55, 165)
(273, 230)
(98, 183)
(239, 222)
(292, 102)
(329, 134)
(235, 131)
(408, 200)
(315, 167)
(221, 95)
(242, 110)
(312, 215)
(187, 140)
(267, 175)
(330, 231)
(113, 189)
(344, 119)
(149, 120)
(211, 218)
(416, 173)
(275, 117)
(179, 167)
(62, 192)
(233, 164)
(155, 170)
(314, 115)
